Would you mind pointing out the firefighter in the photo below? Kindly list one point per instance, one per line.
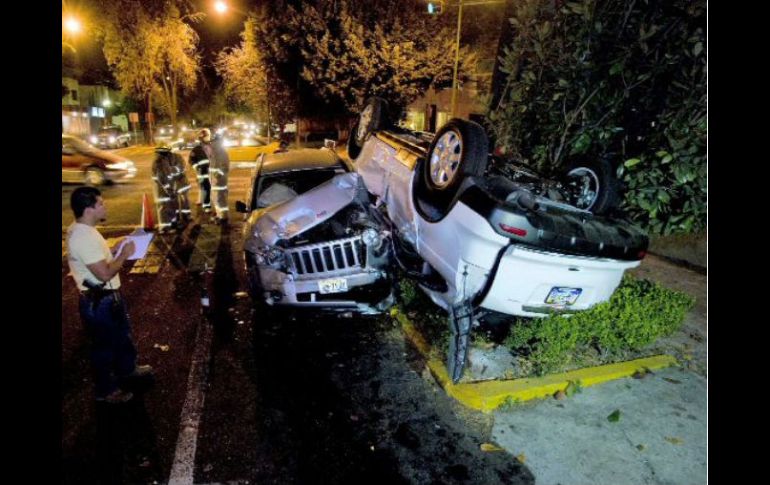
(163, 176)
(219, 170)
(200, 158)
(180, 186)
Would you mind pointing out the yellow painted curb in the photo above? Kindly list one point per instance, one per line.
(488, 395)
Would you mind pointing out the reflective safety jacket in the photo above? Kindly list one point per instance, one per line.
(200, 159)
(219, 167)
(164, 174)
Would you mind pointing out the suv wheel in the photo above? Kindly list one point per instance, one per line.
(459, 149)
(593, 185)
(373, 117)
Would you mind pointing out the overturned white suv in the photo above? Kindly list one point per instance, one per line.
(482, 245)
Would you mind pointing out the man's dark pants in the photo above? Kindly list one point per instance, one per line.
(113, 354)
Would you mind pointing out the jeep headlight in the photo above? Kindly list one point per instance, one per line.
(270, 255)
(93, 139)
(370, 237)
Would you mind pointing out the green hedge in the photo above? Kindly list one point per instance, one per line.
(637, 314)
(617, 79)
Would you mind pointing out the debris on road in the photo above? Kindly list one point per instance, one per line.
(490, 447)
(614, 417)
(163, 348)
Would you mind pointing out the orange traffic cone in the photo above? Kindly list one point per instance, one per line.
(148, 221)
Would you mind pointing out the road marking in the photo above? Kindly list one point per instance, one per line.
(183, 468)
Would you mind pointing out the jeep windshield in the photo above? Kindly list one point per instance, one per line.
(279, 187)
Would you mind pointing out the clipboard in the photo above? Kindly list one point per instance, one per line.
(141, 240)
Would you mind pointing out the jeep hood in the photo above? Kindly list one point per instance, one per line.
(304, 212)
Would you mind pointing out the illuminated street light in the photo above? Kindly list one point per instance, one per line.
(220, 6)
(72, 25)
(459, 5)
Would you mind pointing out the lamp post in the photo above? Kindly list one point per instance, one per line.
(460, 5)
(457, 57)
(71, 27)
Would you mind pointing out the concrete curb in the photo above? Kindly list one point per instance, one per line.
(488, 395)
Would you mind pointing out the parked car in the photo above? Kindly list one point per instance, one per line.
(84, 163)
(312, 239)
(251, 147)
(166, 133)
(188, 138)
(481, 245)
(110, 137)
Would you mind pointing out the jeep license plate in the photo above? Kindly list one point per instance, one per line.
(560, 295)
(333, 285)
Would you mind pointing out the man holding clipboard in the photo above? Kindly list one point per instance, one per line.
(95, 267)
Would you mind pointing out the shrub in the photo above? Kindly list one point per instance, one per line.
(637, 314)
(621, 79)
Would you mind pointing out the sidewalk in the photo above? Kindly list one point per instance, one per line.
(660, 436)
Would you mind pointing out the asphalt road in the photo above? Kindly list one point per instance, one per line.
(124, 200)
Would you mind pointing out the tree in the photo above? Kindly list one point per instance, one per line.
(390, 49)
(619, 79)
(333, 54)
(252, 82)
(150, 50)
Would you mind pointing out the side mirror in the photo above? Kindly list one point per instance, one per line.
(330, 144)
(241, 207)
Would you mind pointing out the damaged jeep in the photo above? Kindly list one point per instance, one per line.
(312, 238)
(485, 246)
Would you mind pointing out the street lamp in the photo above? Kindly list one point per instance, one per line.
(220, 6)
(72, 25)
(436, 8)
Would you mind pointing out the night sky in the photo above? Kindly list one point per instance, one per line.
(216, 32)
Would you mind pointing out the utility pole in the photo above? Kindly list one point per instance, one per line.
(435, 8)
(457, 57)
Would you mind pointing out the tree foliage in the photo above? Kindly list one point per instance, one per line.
(251, 81)
(619, 78)
(342, 51)
(151, 50)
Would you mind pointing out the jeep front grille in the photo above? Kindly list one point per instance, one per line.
(327, 259)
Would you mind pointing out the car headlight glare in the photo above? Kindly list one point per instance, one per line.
(94, 139)
(112, 139)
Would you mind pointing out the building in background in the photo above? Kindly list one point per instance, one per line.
(86, 108)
